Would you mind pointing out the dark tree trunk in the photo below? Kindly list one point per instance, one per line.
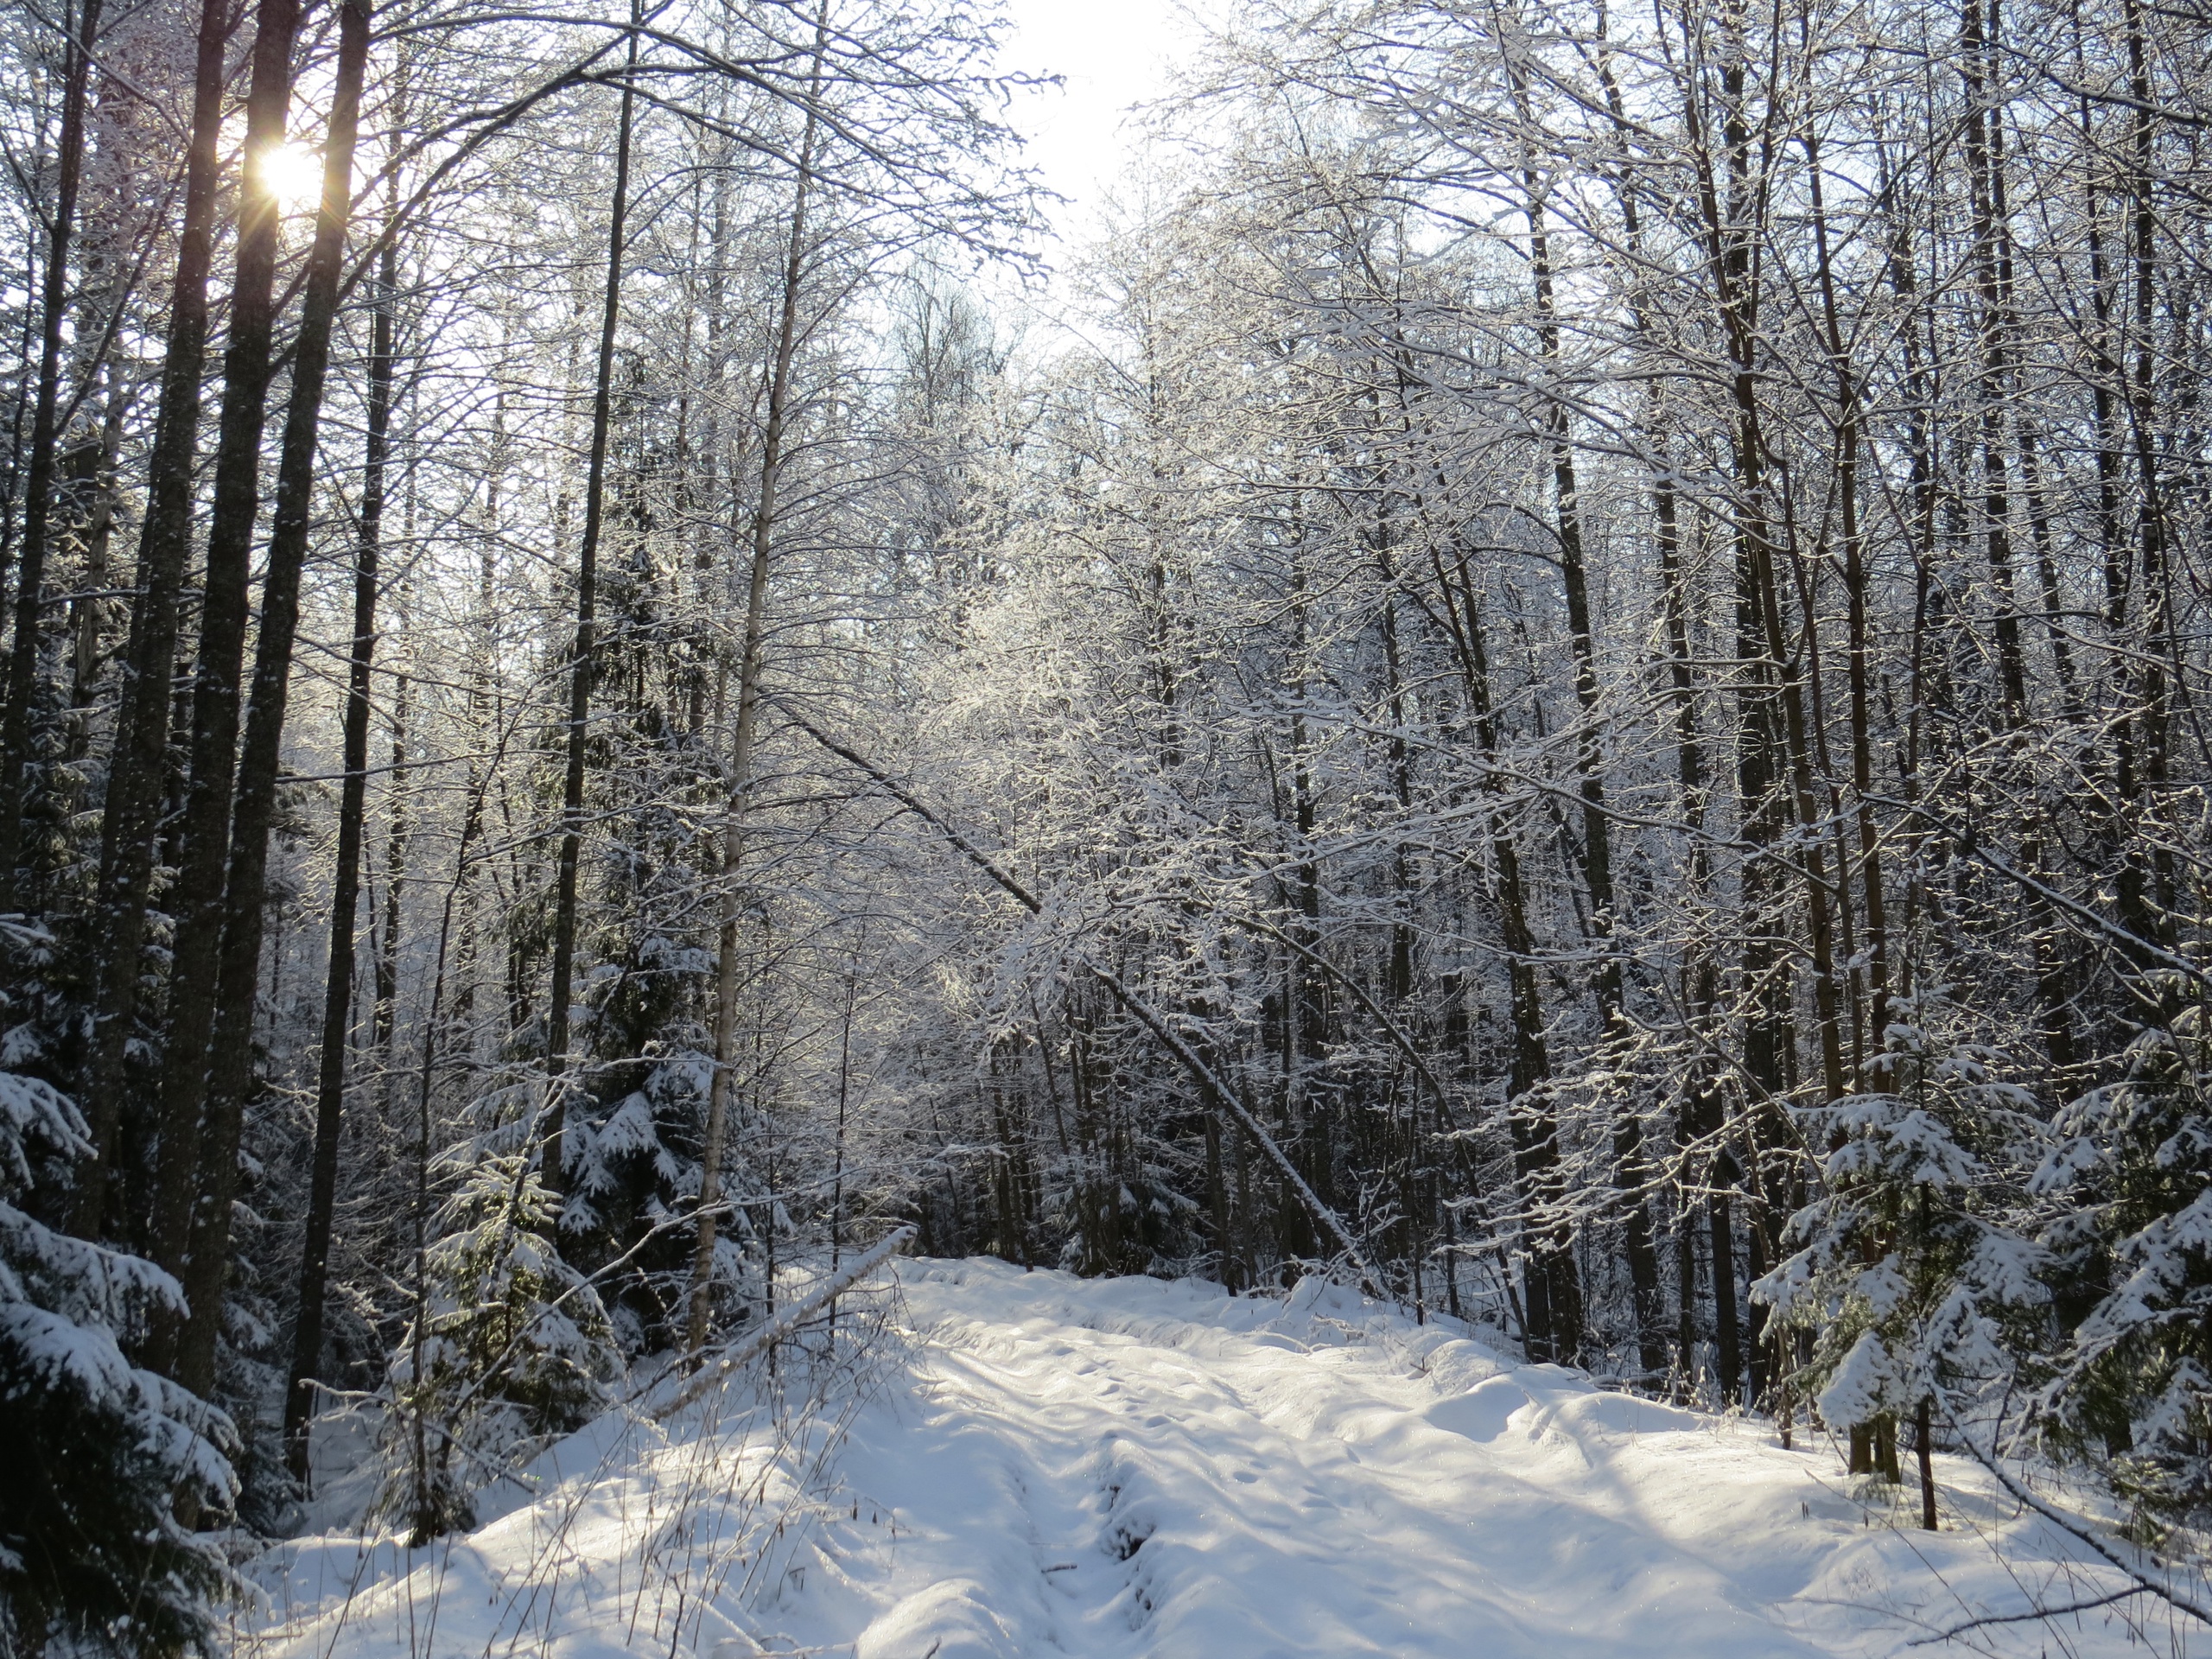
(138, 766)
(87, 614)
(1975, 66)
(1874, 907)
(580, 672)
(231, 1056)
(1924, 1444)
(38, 481)
(1597, 825)
(1551, 1307)
(197, 900)
(395, 883)
(338, 992)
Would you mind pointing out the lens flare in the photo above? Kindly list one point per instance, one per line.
(293, 174)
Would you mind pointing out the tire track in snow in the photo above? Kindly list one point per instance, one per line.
(1120, 1468)
(1111, 1469)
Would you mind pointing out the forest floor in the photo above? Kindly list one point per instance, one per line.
(1033, 1464)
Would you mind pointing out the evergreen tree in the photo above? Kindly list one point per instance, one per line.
(103, 1454)
(1912, 1281)
(2131, 1178)
(510, 1350)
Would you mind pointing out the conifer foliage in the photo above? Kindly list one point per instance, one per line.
(101, 1451)
(510, 1350)
(2133, 1171)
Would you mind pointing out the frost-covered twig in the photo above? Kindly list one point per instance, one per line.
(2032, 1616)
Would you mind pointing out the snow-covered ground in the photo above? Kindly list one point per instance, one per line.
(1044, 1465)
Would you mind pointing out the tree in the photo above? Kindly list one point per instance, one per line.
(90, 1549)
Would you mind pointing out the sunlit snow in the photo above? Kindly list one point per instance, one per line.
(1038, 1464)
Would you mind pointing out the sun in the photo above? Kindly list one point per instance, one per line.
(293, 173)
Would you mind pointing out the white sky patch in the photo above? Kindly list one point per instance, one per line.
(1110, 56)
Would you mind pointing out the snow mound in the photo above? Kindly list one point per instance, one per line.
(950, 1619)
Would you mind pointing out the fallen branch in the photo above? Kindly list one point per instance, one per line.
(764, 1336)
(2164, 1589)
(2034, 1614)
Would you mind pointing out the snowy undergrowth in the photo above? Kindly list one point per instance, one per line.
(632, 1535)
(1038, 1464)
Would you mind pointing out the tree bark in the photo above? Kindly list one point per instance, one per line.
(197, 899)
(138, 768)
(1596, 827)
(38, 482)
(338, 992)
(579, 673)
(1552, 1304)
(1976, 65)
(231, 1055)
(1924, 1443)
(1848, 416)
(741, 748)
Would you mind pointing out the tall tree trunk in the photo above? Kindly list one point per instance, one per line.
(1848, 417)
(2153, 913)
(766, 507)
(338, 991)
(229, 1071)
(197, 899)
(11, 477)
(38, 482)
(1630, 1174)
(138, 768)
(429, 1513)
(1399, 980)
(386, 1016)
(1700, 1115)
(1552, 1305)
(1774, 766)
(580, 672)
(1975, 65)
(88, 613)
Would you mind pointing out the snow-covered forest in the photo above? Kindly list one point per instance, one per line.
(1570, 688)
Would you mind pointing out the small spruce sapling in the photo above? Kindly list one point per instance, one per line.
(2131, 1181)
(1909, 1271)
(515, 1351)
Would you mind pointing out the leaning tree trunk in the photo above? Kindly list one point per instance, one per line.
(230, 1059)
(338, 991)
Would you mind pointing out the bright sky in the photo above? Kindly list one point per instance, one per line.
(1111, 53)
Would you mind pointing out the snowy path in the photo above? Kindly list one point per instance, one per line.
(1133, 1468)
(1126, 1468)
